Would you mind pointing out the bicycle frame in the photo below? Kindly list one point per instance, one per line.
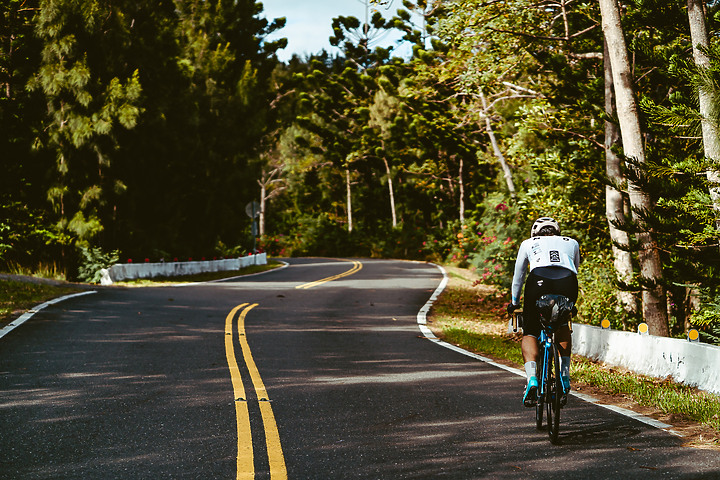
(550, 388)
(546, 347)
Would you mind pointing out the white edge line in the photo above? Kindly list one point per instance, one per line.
(422, 324)
(28, 315)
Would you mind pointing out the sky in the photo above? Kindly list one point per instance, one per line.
(309, 23)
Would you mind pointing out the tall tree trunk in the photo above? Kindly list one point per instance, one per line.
(708, 101)
(270, 187)
(462, 192)
(653, 294)
(349, 200)
(261, 217)
(392, 192)
(496, 148)
(615, 199)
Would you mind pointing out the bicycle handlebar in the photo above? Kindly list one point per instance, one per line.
(515, 317)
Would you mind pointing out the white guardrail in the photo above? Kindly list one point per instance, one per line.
(132, 271)
(689, 363)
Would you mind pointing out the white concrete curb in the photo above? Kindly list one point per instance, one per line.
(694, 364)
(132, 271)
(27, 315)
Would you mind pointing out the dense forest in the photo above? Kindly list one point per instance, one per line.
(141, 130)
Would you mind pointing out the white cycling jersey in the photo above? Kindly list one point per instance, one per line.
(545, 251)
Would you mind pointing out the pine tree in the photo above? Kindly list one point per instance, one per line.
(87, 102)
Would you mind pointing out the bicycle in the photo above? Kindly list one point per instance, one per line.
(555, 312)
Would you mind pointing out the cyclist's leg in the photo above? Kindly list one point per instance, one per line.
(564, 340)
(529, 345)
(563, 337)
(531, 354)
(530, 348)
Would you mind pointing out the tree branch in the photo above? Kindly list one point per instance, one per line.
(579, 135)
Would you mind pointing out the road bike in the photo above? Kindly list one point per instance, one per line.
(555, 312)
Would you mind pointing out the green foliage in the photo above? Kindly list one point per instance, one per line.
(86, 102)
(321, 236)
(707, 318)
(93, 260)
(25, 237)
(597, 300)
(226, 251)
(493, 241)
(676, 176)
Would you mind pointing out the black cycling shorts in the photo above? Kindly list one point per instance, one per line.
(542, 281)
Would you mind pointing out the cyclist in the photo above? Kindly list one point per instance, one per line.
(552, 261)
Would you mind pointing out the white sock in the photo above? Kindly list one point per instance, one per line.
(565, 366)
(530, 369)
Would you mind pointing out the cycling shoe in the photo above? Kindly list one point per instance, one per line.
(530, 397)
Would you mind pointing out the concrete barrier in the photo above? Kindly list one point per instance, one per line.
(693, 364)
(133, 271)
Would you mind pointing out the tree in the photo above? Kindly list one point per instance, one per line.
(616, 202)
(709, 101)
(19, 109)
(653, 294)
(383, 110)
(358, 40)
(86, 103)
(205, 68)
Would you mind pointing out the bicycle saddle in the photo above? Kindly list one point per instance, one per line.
(555, 310)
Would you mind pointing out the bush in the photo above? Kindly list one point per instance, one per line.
(492, 241)
(707, 318)
(597, 300)
(26, 238)
(322, 236)
(92, 261)
(226, 251)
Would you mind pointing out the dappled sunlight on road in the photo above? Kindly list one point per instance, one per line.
(396, 378)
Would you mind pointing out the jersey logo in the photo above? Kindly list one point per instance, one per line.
(554, 256)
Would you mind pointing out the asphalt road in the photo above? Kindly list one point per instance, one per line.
(258, 378)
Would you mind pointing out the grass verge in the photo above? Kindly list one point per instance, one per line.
(473, 317)
(17, 296)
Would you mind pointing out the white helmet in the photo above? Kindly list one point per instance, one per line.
(542, 222)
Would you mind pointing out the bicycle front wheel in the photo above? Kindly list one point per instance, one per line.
(540, 405)
(554, 396)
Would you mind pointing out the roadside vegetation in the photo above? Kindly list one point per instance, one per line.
(16, 297)
(472, 316)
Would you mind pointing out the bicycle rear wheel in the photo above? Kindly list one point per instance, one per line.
(554, 395)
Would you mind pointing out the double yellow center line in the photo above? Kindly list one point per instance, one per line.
(245, 450)
(245, 454)
(356, 267)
